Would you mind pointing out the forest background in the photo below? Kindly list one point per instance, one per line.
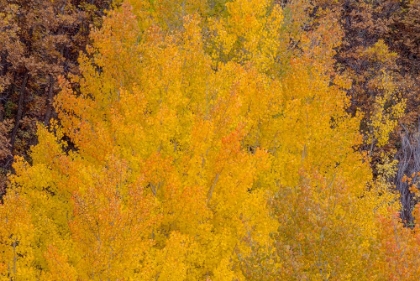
(209, 140)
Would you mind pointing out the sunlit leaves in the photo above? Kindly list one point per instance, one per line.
(195, 158)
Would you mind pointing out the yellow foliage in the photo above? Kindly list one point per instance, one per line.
(196, 157)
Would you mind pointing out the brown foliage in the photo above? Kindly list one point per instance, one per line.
(41, 40)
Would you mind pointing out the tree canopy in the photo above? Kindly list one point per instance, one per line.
(212, 140)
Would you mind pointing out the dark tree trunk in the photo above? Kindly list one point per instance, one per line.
(20, 110)
(49, 101)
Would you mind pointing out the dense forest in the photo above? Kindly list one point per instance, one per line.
(209, 140)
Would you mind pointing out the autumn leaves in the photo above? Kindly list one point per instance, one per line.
(204, 149)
